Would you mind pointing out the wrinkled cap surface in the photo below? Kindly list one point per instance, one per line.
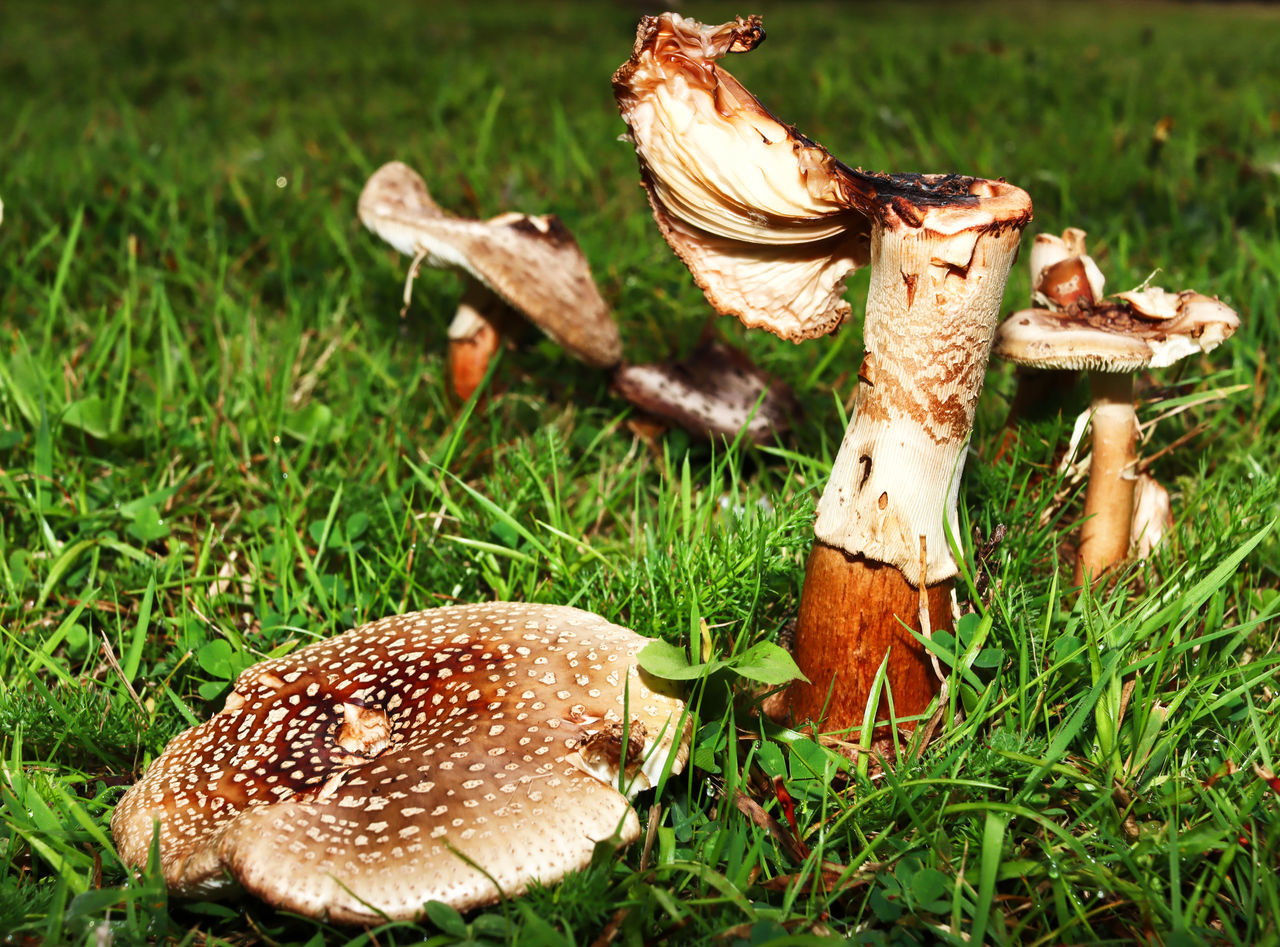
(767, 221)
(534, 264)
(715, 391)
(407, 759)
(1113, 336)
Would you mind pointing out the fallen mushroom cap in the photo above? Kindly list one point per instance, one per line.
(532, 263)
(1115, 337)
(366, 774)
(716, 390)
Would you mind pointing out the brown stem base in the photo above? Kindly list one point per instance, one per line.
(469, 360)
(852, 611)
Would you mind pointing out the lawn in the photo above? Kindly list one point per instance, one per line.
(220, 441)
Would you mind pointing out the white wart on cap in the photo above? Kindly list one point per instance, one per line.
(367, 774)
(533, 264)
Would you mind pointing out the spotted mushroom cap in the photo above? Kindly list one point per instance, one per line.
(533, 264)
(412, 759)
(1116, 336)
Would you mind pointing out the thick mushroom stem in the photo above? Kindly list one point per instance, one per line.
(854, 611)
(1108, 500)
(938, 272)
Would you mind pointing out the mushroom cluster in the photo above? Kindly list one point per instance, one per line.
(1111, 339)
(456, 755)
(770, 225)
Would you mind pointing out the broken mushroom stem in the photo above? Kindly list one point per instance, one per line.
(940, 256)
(1108, 499)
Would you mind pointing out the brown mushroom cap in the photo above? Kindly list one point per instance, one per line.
(715, 391)
(1114, 336)
(411, 759)
(532, 263)
(1062, 272)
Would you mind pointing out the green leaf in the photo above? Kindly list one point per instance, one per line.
(312, 423)
(767, 663)
(215, 658)
(147, 526)
(91, 415)
(446, 918)
(989, 658)
(357, 523)
(927, 886)
(669, 662)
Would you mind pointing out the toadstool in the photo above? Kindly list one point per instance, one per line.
(531, 265)
(770, 225)
(1112, 340)
(457, 754)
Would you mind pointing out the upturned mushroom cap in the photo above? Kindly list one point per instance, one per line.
(532, 263)
(716, 391)
(412, 759)
(1115, 336)
(767, 228)
(767, 221)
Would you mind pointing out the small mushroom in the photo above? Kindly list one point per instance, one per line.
(531, 265)
(770, 225)
(1062, 272)
(458, 755)
(1111, 341)
(1152, 516)
(717, 391)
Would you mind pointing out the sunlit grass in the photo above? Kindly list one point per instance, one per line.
(218, 441)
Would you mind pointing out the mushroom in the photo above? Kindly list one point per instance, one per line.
(770, 225)
(531, 265)
(458, 755)
(1112, 340)
(717, 391)
(1152, 516)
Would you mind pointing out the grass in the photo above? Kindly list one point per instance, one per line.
(218, 441)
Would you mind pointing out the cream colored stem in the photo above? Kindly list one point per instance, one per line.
(932, 308)
(1108, 500)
